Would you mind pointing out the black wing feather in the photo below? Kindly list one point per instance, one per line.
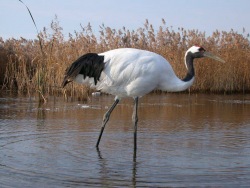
(90, 65)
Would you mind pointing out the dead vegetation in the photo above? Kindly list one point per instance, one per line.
(26, 70)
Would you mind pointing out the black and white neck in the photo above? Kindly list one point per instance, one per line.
(188, 80)
(191, 54)
(189, 62)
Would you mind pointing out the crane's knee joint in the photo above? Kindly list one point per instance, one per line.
(106, 117)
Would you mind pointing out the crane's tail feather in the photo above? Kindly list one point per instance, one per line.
(90, 65)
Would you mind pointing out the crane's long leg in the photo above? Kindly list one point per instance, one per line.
(135, 120)
(105, 120)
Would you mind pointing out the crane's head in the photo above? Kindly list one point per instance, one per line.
(198, 52)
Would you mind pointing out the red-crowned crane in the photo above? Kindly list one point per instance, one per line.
(128, 72)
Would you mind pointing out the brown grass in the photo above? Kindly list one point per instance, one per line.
(28, 71)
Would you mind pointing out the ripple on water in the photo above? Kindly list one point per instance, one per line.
(182, 141)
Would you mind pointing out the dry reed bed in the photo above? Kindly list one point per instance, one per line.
(28, 71)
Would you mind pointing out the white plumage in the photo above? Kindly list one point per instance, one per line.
(132, 72)
(129, 72)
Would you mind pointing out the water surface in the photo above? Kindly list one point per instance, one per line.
(183, 140)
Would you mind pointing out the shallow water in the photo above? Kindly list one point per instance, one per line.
(183, 140)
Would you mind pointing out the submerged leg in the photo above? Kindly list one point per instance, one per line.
(135, 120)
(105, 120)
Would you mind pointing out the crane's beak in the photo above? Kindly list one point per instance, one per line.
(212, 56)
